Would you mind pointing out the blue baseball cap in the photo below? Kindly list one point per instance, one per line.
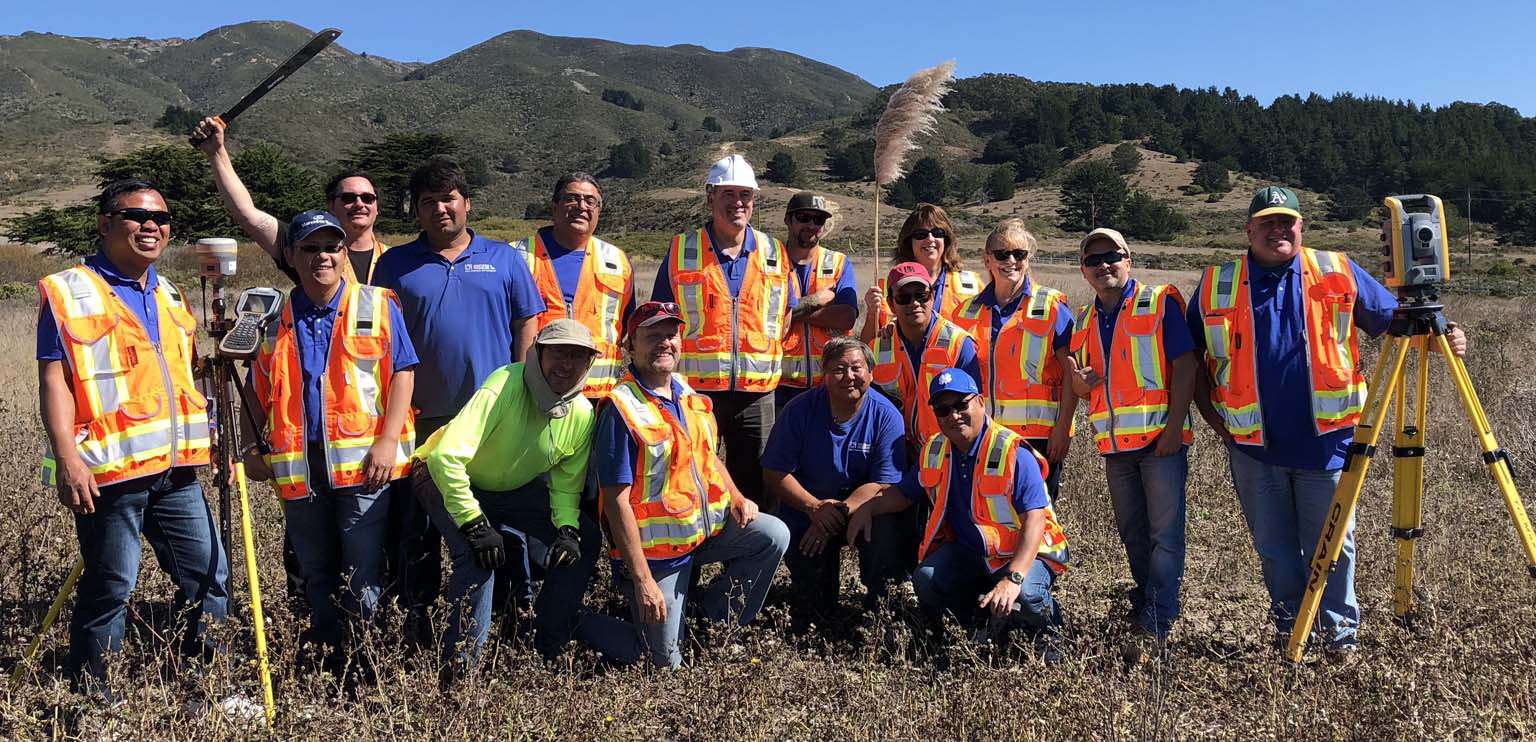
(310, 222)
(952, 380)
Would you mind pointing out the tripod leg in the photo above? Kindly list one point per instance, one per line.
(1494, 456)
(1408, 478)
(1384, 380)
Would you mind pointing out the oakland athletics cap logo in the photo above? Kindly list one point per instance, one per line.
(1276, 197)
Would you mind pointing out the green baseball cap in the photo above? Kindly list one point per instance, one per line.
(1274, 200)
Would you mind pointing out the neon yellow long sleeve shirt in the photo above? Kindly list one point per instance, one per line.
(500, 442)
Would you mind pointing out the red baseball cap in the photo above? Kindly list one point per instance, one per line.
(905, 273)
(652, 312)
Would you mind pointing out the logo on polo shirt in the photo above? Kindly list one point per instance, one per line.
(861, 447)
(479, 268)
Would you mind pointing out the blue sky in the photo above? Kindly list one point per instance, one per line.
(1426, 52)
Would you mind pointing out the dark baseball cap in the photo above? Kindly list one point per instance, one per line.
(807, 201)
(651, 313)
(310, 222)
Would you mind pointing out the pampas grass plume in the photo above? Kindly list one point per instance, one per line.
(910, 112)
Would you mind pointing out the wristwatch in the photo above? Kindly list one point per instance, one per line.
(1016, 578)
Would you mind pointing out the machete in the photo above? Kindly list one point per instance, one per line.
(288, 67)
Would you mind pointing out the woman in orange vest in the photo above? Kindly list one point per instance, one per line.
(1023, 334)
(928, 239)
(127, 430)
(334, 378)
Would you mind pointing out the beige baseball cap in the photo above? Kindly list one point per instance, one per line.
(1104, 233)
(565, 331)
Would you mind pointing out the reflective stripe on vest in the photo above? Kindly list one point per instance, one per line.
(1329, 292)
(993, 514)
(677, 496)
(1019, 372)
(730, 343)
(355, 389)
(606, 281)
(1129, 410)
(894, 373)
(137, 408)
(805, 341)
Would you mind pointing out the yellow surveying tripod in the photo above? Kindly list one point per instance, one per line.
(1418, 322)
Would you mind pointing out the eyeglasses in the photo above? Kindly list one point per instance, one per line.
(907, 297)
(1103, 258)
(351, 198)
(960, 405)
(328, 249)
(922, 234)
(572, 199)
(1003, 255)
(144, 216)
(804, 218)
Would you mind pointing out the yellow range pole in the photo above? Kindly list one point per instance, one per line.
(1495, 457)
(1389, 369)
(53, 615)
(249, 539)
(1408, 478)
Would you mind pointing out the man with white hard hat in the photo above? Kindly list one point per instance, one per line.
(732, 286)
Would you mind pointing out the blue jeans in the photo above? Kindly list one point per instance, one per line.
(1148, 496)
(170, 512)
(750, 554)
(953, 578)
(522, 516)
(887, 557)
(339, 541)
(1285, 509)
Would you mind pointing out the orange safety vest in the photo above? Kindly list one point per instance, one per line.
(1020, 376)
(992, 512)
(894, 373)
(606, 284)
(1333, 357)
(959, 287)
(803, 344)
(678, 496)
(356, 387)
(733, 344)
(1130, 409)
(137, 409)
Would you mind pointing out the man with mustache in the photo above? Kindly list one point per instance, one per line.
(916, 347)
(829, 300)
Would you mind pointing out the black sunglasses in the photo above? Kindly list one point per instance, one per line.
(349, 198)
(907, 297)
(1002, 255)
(144, 216)
(1103, 258)
(922, 234)
(804, 218)
(331, 249)
(945, 410)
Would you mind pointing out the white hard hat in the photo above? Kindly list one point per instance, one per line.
(732, 170)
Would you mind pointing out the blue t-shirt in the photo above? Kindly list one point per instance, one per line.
(1028, 491)
(829, 459)
(1285, 384)
(139, 300)
(312, 330)
(1061, 333)
(967, 361)
(1176, 338)
(617, 466)
(459, 314)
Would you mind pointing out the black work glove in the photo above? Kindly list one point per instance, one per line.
(566, 550)
(486, 543)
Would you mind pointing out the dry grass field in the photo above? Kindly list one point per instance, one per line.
(1465, 667)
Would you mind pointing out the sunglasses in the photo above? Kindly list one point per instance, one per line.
(922, 234)
(351, 198)
(907, 297)
(144, 216)
(1103, 258)
(960, 405)
(327, 249)
(804, 218)
(1003, 255)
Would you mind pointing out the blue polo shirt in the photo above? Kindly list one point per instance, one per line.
(1061, 333)
(139, 299)
(1028, 491)
(312, 329)
(1285, 384)
(1176, 337)
(967, 360)
(612, 437)
(829, 458)
(459, 314)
